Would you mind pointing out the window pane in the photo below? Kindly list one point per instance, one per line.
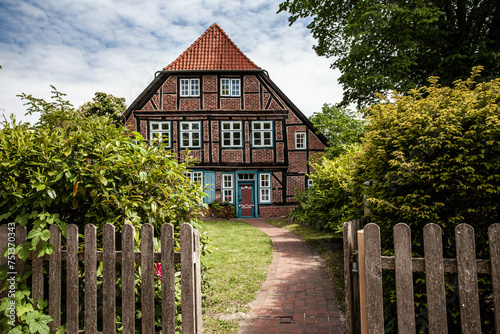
(195, 126)
(227, 142)
(226, 126)
(256, 126)
(236, 135)
(195, 87)
(225, 87)
(226, 135)
(267, 125)
(165, 126)
(237, 142)
(236, 126)
(155, 126)
(235, 87)
(185, 126)
(185, 142)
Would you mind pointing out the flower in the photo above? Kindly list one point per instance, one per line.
(158, 269)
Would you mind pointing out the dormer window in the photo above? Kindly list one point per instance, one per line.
(190, 87)
(230, 87)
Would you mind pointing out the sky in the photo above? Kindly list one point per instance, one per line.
(87, 46)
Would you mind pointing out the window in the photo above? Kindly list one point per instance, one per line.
(190, 134)
(231, 134)
(190, 87)
(300, 140)
(230, 87)
(227, 187)
(265, 187)
(262, 133)
(310, 183)
(160, 131)
(246, 177)
(195, 176)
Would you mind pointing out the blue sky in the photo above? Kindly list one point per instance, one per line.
(113, 46)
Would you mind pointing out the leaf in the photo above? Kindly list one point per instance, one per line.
(38, 322)
(52, 193)
(103, 179)
(143, 176)
(75, 189)
(153, 207)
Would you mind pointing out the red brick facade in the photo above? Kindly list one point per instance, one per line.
(248, 138)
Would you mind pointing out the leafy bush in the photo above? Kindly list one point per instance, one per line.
(433, 156)
(69, 168)
(329, 202)
(223, 208)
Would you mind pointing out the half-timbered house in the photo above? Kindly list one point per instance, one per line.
(251, 141)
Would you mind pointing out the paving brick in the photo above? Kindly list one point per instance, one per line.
(297, 295)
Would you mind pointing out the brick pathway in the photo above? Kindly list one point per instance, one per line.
(297, 296)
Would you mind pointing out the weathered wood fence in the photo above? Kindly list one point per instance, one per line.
(433, 264)
(189, 258)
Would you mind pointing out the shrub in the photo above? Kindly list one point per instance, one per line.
(69, 168)
(433, 156)
(329, 202)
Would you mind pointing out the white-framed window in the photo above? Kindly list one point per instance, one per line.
(230, 87)
(190, 133)
(300, 140)
(231, 134)
(310, 183)
(195, 176)
(227, 188)
(160, 131)
(190, 87)
(262, 134)
(265, 187)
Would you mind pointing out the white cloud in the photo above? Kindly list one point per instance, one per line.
(116, 46)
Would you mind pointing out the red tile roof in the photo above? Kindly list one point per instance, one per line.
(212, 51)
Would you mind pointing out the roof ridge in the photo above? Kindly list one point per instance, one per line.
(212, 53)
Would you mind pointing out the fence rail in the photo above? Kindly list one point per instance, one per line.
(188, 257)
(465, 265)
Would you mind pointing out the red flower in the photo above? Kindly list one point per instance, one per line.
(158, 269)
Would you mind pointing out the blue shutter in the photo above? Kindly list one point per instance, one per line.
(209, 179)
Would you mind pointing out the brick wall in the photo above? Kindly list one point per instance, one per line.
(274, 211)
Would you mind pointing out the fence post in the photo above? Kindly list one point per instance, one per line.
(434, 279)
(373, 269)
(362, 281)
(147, 279)
(72, 293)
(350, 281)
(55, 278)
(404, 279)
(494, 239)
(197, 279)
(187, 280)
(467, 279)
(90, 279)
(128, 279)
(167, 279)
(109, 280)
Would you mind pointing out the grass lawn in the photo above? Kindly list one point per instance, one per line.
(237, 267)
(329, 245)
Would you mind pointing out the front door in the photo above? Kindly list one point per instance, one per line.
(246, 202)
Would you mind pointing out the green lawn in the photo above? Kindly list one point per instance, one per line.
(237, 267)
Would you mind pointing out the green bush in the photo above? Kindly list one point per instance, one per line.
(72, 169)
(433, 156)
(329, 202)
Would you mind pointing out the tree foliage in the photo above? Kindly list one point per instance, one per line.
(433, 156)
(329, 202)
(340, 126)
(70, 168)
(104, 104)
(384, 45)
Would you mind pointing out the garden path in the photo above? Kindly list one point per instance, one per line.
(297, 296)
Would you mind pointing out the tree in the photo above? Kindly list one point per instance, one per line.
(433, 156)
(397, 45)
(340, 126)
(104, 104)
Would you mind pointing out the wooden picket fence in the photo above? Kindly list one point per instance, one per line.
(188, 257)
(364, 299)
